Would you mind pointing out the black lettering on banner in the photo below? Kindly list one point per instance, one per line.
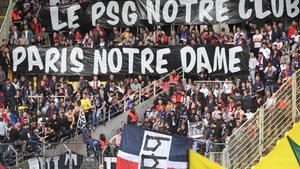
(158, 141)
(162, 12)
(153, 156)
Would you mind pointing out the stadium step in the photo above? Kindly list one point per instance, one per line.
(89, 163)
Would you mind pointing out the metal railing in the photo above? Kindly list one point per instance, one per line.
(5, 27)
(210, 84)
(217, 157)
(257, 136)
(38, 99)
(16, 158)
(151, 90)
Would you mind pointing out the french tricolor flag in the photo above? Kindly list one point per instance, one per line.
(146, 149)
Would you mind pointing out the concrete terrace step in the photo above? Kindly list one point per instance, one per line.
(89, 163)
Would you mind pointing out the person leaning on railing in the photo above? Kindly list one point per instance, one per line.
(27, 135)
(14, 137)
(92, 144)
(98, 109)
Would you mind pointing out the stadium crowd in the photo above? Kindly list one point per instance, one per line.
(37, 109)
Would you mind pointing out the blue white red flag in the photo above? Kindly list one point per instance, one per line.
(146, 149)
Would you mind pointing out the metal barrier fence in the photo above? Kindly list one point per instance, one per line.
(38, 99)
(5, 27)
(210, 84)
(256, 137)
(49, 155)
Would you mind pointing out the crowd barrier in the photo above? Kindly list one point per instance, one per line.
(50, 155)
(256, 137)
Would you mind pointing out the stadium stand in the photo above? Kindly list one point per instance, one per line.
(43, 113)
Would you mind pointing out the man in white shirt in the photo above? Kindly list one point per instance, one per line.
(135, 86)
(3, 129)
(296, 39)
(249, 114)
(278, 43)
(270, 32)
(238, 34)
(95, 83)
(227, 87)
(257, 39)
(265, 51)
(283, 64)
(270, 65)
(204, 89)
(253, 63)
(270, 100)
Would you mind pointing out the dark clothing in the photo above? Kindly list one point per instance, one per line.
(182, 132)
(14, 134)
(52, 85)
(69, 107)
(258, 86)
(247, 102)
(199, 96)
(173, 122)
(9, 91)
(270, 78)
(83, 85)
(86, 134)
(24, 85)
(98, 102)
(70, 89)
(55, 125)
(237, 98)
(50, 112)
(203, 75)
(181, 112)
(24, 134)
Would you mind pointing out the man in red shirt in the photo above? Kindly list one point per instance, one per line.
(174, 77)
(36, 27)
